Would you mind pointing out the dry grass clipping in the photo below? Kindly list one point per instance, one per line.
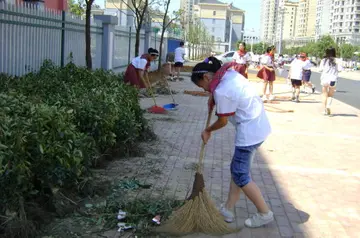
(197, 93)
(199, 214)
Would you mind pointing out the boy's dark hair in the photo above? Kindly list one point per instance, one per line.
(281, 56)
(153, 52)
(202, 68)
(182, 43)
(270, 48)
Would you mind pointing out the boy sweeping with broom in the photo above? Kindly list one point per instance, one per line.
(238, 102)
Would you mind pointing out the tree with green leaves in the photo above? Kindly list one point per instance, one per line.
(76, 7)
(140, 9)
(198, 36)
(167, 20)
(347, 51)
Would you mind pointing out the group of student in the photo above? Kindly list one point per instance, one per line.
(236, 101)
(300, 73)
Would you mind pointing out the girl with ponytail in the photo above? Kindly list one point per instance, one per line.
(137, 72)
(236, 101)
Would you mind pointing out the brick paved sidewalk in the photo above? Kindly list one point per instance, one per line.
(308, 169)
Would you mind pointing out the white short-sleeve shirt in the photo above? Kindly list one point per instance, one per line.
(241, 60)
(329, 72)
(139, 63)
(179, 54)
(308, 65)
(236, 98)
(296, 69)
(266, 60)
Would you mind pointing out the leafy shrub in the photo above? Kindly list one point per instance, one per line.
(38, 142)
(54, 123)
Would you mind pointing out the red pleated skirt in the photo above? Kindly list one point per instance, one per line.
(132, 78)
(266, 75)
(241, 69)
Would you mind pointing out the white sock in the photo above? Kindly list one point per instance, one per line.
(329, 101)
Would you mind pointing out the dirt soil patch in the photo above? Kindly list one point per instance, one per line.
(130, 184)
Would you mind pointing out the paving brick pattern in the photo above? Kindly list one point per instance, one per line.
(308, 169)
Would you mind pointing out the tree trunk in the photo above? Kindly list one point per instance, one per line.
(88, 35)
(137, 41)
(161, 43)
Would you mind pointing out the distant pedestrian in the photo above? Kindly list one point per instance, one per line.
(243, 59)
(179, 59)
(296, 74)
(137, 71)
(267, 72)
(330, 70)
(307, 72)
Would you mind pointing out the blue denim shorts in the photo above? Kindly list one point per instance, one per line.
(241, 164)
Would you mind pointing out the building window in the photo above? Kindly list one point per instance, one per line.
(213, 38)
(213, 29)
(213, 21)
(214, 13)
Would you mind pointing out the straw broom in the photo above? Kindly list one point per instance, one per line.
(199, 214)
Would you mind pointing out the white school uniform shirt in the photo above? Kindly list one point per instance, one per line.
(139, 63)
(296, 69)
(308, 65)
(266, 60)
(179, 54)
(329, 73)
(237, 98)
(241, 60)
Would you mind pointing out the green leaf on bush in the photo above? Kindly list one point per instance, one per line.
(88, 205)
(3, 146)
(41, 149)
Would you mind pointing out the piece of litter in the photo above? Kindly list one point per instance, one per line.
(121, 215)
(156, 219)
(124, 226)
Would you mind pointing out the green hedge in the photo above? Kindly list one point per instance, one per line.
(55, 123)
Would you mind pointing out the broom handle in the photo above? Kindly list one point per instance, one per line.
(151, 91)
(202, 150)
(168, 85)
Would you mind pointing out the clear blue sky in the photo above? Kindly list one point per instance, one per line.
(251, 8)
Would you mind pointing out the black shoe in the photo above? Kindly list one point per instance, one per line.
(313, 90)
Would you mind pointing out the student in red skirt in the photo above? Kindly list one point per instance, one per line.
(242, 58)
(137, 72)
(267, 72)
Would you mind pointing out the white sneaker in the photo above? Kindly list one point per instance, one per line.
(259, 220)
(264, 98)
(271, 97)
(228, 215)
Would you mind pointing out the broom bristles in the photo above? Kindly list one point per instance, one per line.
(197, 215)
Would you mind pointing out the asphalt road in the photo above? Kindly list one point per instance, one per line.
(347, 90)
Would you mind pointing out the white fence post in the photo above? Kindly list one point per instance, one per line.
(107, 55)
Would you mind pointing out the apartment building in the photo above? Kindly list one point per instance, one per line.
(306, 21)
(286, 21)
(323, 18)
(223, 21)
(345, 21)
(187, 6)
(268, 20)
